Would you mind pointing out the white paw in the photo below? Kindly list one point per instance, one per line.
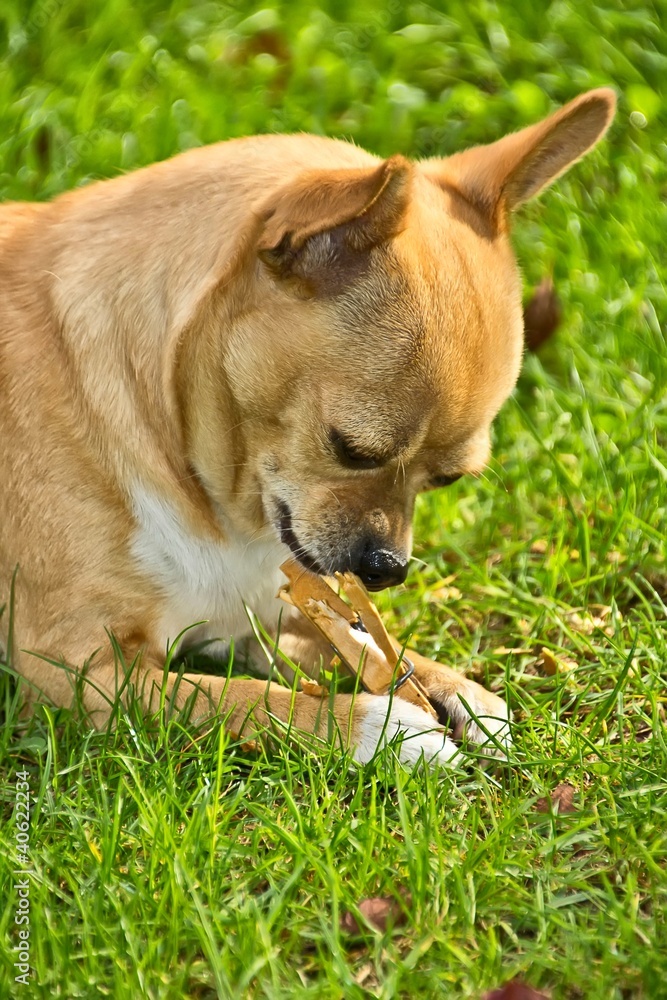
(490, 726)
(379, 719)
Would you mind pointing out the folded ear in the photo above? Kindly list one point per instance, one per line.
(499, 177)
(314, 224)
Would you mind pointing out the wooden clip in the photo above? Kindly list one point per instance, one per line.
(355, 632)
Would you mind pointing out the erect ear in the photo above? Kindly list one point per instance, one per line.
(317, 222)
(498, 177)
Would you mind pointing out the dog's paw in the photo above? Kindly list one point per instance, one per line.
(465, 706)
(487, 722)
(378, 719)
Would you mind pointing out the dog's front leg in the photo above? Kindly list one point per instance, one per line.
(248, 708)
(252, 708)
(448, 690)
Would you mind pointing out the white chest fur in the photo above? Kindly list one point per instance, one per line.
(202, 579)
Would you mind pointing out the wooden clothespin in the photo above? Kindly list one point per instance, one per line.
(355, 632)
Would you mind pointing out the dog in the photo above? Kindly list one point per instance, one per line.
(259, 349)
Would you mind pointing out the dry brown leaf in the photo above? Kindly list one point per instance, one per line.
(515, 990)
(547, 663)
(379, 911)
(539, 547)
(561, 800)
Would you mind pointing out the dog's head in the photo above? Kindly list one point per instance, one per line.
(384, 334)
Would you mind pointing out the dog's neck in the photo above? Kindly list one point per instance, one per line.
(118, 297)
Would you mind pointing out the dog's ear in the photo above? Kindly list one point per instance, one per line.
(499, 177)
(317, 228)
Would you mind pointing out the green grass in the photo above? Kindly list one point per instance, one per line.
(170, 867)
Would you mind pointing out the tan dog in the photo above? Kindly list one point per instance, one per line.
(266, 345)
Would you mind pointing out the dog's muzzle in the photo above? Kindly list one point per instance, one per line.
(377, 567)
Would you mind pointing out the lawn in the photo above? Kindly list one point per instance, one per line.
(169, 865)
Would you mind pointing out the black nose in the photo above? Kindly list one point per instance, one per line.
(380, 568)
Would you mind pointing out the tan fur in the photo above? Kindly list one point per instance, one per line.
(188, 334)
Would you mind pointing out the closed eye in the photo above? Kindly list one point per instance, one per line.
(351, 455)
(439, 481)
